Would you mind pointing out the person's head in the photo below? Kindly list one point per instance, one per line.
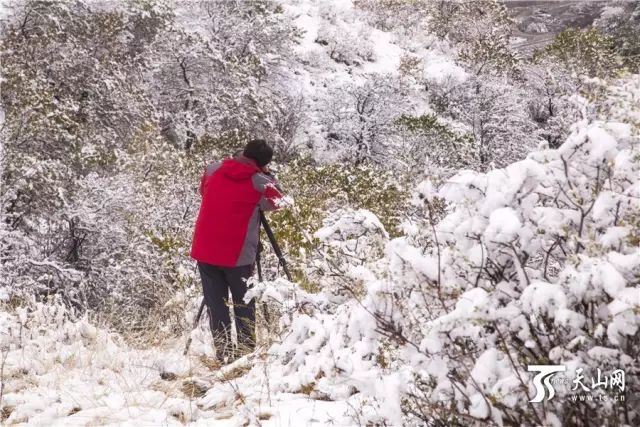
(258, 150)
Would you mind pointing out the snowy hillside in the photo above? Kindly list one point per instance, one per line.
(339, 49)
(459, 217)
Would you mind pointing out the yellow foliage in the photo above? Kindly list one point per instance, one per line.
(317, 189)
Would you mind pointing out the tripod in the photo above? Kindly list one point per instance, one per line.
(281, 261)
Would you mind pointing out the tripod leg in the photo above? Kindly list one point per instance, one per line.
(195, 325)
(265, 312)
(258, 263)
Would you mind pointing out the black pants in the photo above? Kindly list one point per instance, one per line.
(216, 283)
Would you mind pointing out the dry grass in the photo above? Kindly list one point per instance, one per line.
(307, 389)
(210, 363)
(194, 389)
(142, 327)
(168, 376)
(5, 413)
(311, 391)
(235, 372)
(74, 410)
(264, 416)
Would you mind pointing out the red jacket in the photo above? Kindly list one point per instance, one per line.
(228, 226)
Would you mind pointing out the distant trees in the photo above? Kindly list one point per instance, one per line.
(432, 145)
(505, 104)
(621, 22)
(585, 52)
(481, 32)
(111, 111)
(488, 106)
(73, 97)
(496, 114)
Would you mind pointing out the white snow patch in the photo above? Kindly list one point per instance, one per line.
(440, 68)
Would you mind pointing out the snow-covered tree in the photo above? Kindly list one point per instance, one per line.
(586, 52)
(495, 113)
(551, 90)
(360, 119)
(434, 147)
(73, 100)
(220, 67)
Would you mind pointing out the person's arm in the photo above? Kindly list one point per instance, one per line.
(272, 196)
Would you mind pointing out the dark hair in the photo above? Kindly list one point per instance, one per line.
(258, 150)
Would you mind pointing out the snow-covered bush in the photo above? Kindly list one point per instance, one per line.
(349, 241)
(620, 20)
(550, 89)
(328, 346)
(534, 264)
(588, 52)
(396, 15)
(218, 67)
(433, 146)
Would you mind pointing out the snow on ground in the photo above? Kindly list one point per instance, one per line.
(439, 68)
(63, 373)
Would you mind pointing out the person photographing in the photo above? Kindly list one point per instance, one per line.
(226, 238)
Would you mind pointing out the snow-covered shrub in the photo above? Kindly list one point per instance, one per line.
(217, 67)
(435, 147)
(537, 263)
(481, 32)
(550, 89)
(359, 120)
(328, 346)
(621, 21)
(349, 242)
